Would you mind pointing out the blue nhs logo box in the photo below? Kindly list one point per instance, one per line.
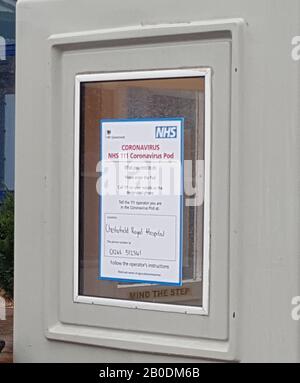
(165, 131)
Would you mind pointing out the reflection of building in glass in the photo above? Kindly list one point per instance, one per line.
(138, 99)
(144, 102)
(7, 93)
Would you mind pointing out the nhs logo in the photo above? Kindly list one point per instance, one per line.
(165, 131)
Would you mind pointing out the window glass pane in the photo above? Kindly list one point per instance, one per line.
(140, 99)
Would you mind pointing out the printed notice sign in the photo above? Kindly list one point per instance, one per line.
(141, 200)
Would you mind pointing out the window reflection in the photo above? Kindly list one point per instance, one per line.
(180, 97)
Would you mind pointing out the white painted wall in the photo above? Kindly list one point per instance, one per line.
(264, 152)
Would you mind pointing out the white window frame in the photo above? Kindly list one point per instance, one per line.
(143, 75)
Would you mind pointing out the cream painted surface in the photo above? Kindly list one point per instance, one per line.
(257, 162)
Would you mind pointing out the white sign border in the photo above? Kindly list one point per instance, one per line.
(158, 119)
(139, 75)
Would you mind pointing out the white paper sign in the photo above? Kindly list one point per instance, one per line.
(141, 200)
